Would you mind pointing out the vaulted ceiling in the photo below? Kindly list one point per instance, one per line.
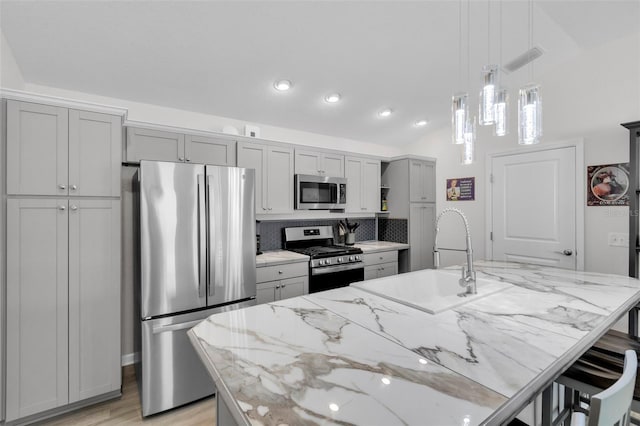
(222, 57)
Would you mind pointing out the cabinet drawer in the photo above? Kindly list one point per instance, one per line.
(380, 257)
(387, 269)
(280, 272)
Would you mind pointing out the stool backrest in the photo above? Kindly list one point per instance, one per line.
(611, 406)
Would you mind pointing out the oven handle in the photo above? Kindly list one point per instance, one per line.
(337, 268)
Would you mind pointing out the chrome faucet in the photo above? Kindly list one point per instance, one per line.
(468, 279)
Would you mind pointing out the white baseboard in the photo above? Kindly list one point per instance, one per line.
(128, 359)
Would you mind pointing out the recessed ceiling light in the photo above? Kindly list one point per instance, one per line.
(385, 112)
(420, 123)
(334, 407)
(385, 380)
(332, 98)
(282, 85)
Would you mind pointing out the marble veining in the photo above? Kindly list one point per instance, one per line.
(279, 257)
(347, 356)
(295, 362)
(378, 246)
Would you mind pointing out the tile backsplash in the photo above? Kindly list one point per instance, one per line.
(394, 230)
(271, 231)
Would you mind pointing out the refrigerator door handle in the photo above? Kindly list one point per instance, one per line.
(202, 237)
(211, 283)
(174, 327)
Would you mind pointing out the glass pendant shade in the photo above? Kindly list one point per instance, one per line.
(468, 149)
(488, 95)
(529, 115)
(459, 116)
(501, 113)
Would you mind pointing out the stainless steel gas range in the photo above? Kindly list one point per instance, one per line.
(331, 266)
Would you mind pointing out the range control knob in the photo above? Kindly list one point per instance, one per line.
(350, 258)
(322, 262)
(339, 260)
(328, 261)
(357, 257)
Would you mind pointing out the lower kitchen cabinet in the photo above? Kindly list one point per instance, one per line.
(422, 219)
(63, 303)
(380, 264)
(282, 281)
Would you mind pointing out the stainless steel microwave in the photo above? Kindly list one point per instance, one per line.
(320, 192)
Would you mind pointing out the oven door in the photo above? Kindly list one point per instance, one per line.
(319, 192)
(330, 277)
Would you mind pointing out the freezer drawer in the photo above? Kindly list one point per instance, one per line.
(172, 373)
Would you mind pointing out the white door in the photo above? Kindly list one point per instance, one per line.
(534, 207)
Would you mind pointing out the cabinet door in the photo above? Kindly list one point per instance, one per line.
(293, 287)
(254, 156)
(37, 316)
(333, 165)
(421, 235)
(94, 298)
(280, 180)
(387, 269)
(308, 162)
(37, 149)
(266, 292)
(353, 173)
(144, 144)
(206, 150)
(370, 185)
(416, 182)
(428, 181)
(95, 150)
(370, 272)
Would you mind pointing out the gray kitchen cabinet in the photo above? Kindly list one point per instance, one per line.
(94, 298)
(380, 264)
(37, 306)
(281, 281)
(421, 179)
(319, 163)
(274, 175)
(210, 150)
(148, 144)
(422, 219)
(56, 151)
(363, 185)
(63, 302)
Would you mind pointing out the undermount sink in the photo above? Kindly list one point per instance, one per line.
(430, 290)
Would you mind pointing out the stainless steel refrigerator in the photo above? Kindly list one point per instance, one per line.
(197, 257)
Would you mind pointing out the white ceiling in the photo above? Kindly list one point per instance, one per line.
(222, 57)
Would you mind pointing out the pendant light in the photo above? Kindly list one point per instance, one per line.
(489, 77)
(501, 104)
(530, 102)
(468, 149)
(459, 101)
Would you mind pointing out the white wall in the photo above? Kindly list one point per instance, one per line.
(587, 97)
(10, 74)
(138, 111)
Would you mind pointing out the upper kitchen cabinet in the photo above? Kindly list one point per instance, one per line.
(147, 144)
(57, 151)
(421, 181)
(319, 163)
(274, 175)
(363, 185)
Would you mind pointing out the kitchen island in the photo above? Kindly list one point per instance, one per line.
(347, 356)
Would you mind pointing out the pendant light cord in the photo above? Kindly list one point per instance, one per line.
(530, 39)
(460, 43)
(488, 32)
(468, 44)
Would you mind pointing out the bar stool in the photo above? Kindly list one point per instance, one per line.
(601, 367)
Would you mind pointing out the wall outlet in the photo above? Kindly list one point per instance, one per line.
(618, 239)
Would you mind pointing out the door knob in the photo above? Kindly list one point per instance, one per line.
(567, 252)
(61, 186)
(73, 207)
(62, 207)
(74, 187)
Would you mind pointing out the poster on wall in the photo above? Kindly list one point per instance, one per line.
(608, 184)
(461, 189)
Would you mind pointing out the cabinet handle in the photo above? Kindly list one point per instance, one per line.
(62, 207)
(180, 158)
(73, 187)
(423, 198)
(277, 286)
(61, 186)
(280, 272)
(74, 207)
(189, 159)
(283, 286)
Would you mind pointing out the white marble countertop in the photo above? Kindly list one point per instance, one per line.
(377, 246)
(279, 257)
(348, 356)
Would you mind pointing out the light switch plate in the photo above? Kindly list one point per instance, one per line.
(618, 239)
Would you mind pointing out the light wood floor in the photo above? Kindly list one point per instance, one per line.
(126, 410)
